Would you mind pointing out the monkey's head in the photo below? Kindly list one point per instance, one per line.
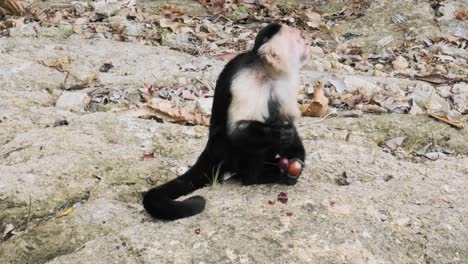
(282, 47)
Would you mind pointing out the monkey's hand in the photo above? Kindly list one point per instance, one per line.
(291, 169)
(283, 132)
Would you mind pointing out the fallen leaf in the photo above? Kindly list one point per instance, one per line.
(415, 109)
(439, 79)
(394, 143)
(148, 156)
(65, 213)
(434, 155)
(10, 23)
(319, 105)
(461, 15)
(147, 92)
(448, 120)
(170, 114)
(354, 100)
(59, 63)
(12, 7)
(225, 56)
(422, 151)
(8, 231)
(171, 10)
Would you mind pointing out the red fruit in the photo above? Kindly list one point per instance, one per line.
(283, 164)
(283, 197)
(295, 168)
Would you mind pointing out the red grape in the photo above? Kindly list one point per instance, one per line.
(283, 164)
(295, 168)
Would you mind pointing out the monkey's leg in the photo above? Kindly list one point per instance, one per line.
(251, 169)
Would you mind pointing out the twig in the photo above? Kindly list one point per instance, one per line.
(318, 121)
(207, 85)
(6, 154)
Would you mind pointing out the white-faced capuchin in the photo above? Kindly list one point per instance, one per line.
(252, 133)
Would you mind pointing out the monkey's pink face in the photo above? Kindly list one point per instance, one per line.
(287, 50)
(298, 47)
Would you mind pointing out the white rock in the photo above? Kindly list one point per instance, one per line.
(28, 30)
(427, 98)
(444, 91)
(204, 105)
(73, 101)
(106, 8)
(385, 41)
(402, 221)
(133, 29)
(352, 84)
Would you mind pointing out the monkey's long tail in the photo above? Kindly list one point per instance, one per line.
(159, 201)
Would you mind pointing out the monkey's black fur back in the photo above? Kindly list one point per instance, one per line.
(242, 151)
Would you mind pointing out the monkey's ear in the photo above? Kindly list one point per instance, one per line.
(272, 57)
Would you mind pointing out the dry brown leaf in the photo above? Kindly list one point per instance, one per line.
(225, 56)
(357, 5)
(171, 10)
(11, 7)
(10, 23)
(147, 92)
(439, 79)
(452, 38)
(461, 15)
(319, 105)
(166, 112)
(354, 100)
(59, 63)
(448, 120)
(394, 143)
(148, 156)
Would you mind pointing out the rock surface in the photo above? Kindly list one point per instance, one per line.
(71, 182)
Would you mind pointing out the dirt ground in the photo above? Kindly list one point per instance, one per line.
(72, 192)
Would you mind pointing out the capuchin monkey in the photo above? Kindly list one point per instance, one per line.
(252, 124)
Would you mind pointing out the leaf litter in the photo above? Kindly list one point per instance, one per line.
(224, 32)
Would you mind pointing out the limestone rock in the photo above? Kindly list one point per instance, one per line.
(73, 101)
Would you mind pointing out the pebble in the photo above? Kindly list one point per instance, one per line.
(204, 105)
(73, 101)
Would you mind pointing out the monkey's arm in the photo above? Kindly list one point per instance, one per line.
(255, 135)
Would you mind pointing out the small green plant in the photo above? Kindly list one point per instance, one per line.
(241, 9)
(409, 52)
(215, 171)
